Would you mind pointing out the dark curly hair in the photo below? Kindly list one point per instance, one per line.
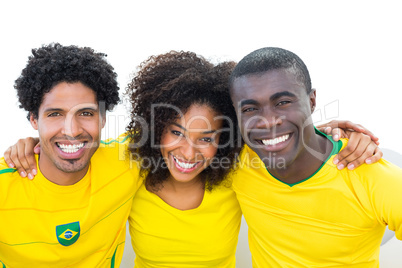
(51, 64)
(272, 58)
(179, 79)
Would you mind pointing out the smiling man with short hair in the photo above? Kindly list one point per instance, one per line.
(301, 210)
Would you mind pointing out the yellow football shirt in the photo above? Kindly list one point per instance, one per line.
(335, 218)
(83, 225)
(163, 236)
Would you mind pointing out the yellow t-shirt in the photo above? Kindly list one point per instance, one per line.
(335, 218)
(163, 236)
(83, 225)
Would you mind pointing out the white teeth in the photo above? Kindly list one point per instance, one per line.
(276, 140)
(70, 148)
(184, 165)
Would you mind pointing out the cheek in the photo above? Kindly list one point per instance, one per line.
(95, 131)
(47, 130)
(209, 152)
(241, 122)
(246, 125)
(92, 127)
(167, 141)
(302, 116)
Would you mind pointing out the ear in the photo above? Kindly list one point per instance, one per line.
(33, 120)
(312, 97)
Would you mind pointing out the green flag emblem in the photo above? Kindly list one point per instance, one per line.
(68, 233)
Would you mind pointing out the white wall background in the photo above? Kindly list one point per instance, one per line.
(352, 48)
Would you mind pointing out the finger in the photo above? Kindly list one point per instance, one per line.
(369, 152)
(345, 124)
(359, 151)
(15, 159)
(7, 158)
(334, 124)
(328, 130)
(37, 149)
(338, 133)
(342, 158)
(358, 128)
(336, 160)
(350, 125)
(30, 157)
(376, 157)
(324, 129)
(22, 157)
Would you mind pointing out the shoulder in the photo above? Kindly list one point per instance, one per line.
(380, 175)
(112, 158)
(112, 152)
(381, 168)
(4, 169)
(8, 178)
(247, 157)
(116, 146)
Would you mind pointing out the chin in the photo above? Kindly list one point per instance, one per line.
(72, 166)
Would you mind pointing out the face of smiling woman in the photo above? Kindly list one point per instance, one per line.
(189, 144)
(69, 124)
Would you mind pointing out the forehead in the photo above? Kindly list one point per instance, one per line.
(67, 96)
(200, 118)
(257, 86)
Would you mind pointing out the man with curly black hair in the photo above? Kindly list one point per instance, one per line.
(68, 215)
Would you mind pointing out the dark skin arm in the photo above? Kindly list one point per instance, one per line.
(361, 148)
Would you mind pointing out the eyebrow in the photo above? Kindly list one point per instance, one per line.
(79, 110)
(204, 132)
(248, 101)
(282, 94)
(53, 110)
(272, 98)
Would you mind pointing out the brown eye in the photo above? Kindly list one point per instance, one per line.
(207, 139)
(177, 133)
(87, 114)
(250, 109)
(283, 103)
(54, 114)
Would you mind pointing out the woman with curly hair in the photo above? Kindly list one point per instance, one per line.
(185, 214)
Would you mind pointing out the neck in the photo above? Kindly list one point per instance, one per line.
(182, 195)
(309, 159)
(177, 186)
(57, 176)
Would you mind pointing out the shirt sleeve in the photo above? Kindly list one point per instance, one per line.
(385, 192)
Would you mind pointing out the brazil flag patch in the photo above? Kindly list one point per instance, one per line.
(68, 234)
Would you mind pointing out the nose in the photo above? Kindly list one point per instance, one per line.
(72, 126)
(188, 149)
(268, 120)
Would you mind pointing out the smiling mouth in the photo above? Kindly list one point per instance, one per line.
(185, 165)
(70, 148)
(275, 141)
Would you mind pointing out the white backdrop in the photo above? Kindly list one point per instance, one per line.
(353, 48)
